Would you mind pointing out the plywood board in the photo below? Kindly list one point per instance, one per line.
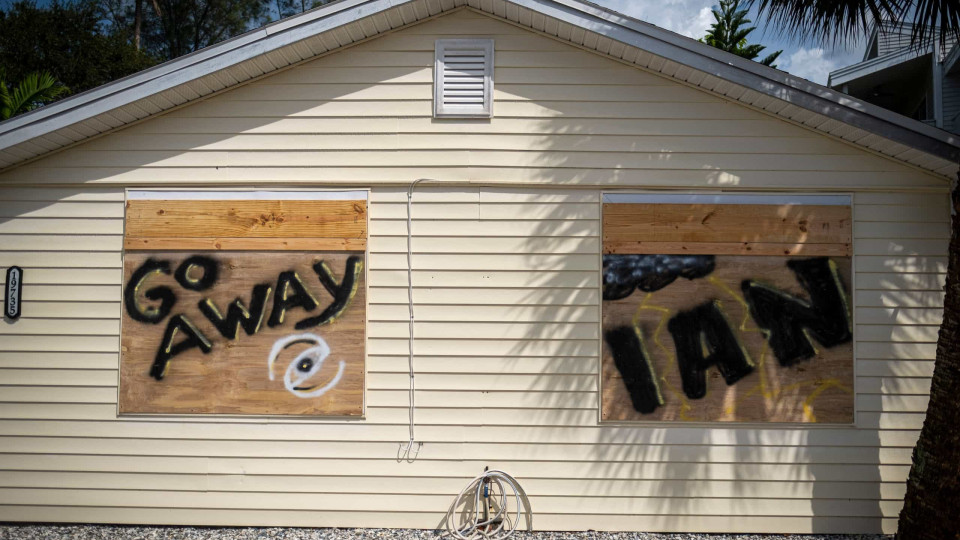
(733, 229)
(783, 354)
(223, 224)
(300, 351)
(727, 248)
(245, 244)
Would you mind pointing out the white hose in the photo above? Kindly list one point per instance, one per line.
(485, 512)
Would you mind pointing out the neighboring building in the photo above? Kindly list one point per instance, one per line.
(918, 81)
(214, 315)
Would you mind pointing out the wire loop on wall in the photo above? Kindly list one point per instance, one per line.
(406, 451)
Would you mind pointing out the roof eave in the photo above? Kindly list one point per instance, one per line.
(175, 72)
(862, 69)
(755, 76)
(766, 81)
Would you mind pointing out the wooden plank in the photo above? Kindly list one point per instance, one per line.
(234, 372)
(246, 219)
(245, 244)
(639, 247)
(796, 224)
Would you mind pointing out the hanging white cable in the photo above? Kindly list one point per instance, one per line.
(485, 508)
(404, 451)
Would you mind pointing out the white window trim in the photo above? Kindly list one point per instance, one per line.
(448, 111)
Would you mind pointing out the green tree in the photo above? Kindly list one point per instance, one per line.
(69, 41)
(933, 486)
(179, 27)
(170, 28)
(730, 31)
(35, 90)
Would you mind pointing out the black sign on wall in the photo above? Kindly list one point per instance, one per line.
(12, 291)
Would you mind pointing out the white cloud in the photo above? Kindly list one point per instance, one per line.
(690, 18)
(811, 64)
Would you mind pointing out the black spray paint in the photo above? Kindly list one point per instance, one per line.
(210, 269)
(181, 334)
(192, 338)
(703, 339)
(634, 365)
(342, 292)
(624, 273)
(163, 294)
(291, 293)
(789, 320)
(238, 316)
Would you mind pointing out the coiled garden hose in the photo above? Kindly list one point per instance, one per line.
(481, 509)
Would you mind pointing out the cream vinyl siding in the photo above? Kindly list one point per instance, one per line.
(507, 298)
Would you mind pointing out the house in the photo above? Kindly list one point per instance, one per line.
(666, 288)
(919, 81)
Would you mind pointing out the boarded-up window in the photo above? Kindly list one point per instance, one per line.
(727, 308)
(244, 303)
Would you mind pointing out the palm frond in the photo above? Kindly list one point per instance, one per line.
(5, 111)
(837, 21)
(933, 20)
(770, 59)
(34, 90)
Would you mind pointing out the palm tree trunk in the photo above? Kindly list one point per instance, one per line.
(931, 509)
(137, 22)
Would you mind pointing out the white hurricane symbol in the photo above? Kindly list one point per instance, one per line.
(305, 365)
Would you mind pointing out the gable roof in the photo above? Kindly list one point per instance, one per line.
(585, 25)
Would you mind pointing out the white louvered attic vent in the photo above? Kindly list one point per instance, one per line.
(463, 78)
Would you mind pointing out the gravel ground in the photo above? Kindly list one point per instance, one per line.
(111, 532)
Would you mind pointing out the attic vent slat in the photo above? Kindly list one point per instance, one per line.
(463, 78)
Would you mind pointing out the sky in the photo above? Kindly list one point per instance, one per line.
(692, 18)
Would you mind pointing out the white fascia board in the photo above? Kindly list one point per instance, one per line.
(880, 63)
(186, 68)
